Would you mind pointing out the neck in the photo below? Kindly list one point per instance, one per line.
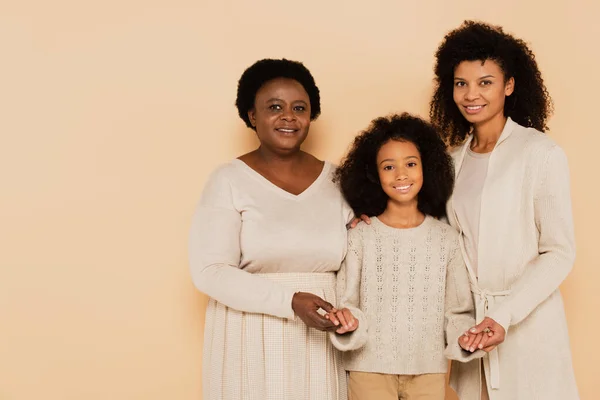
(486, 134)
(280, 161)
(402, 215)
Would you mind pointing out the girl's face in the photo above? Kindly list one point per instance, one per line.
(281, 115)
(480, 90)
(400, 171)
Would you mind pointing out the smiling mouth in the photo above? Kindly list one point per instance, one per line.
(286, 131)
(473, 109)
(403, 188)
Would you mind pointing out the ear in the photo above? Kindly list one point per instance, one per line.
(252, 116)
(509, 87)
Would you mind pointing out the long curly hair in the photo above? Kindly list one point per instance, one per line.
(529, 105)
(262, 71)
(359, 179)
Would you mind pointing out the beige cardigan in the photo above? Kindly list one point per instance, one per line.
(526, 250)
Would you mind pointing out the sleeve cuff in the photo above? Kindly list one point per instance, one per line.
(353, 340)
(454, 352)
(286, 310)
(502, 317)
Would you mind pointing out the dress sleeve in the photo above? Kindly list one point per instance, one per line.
(554, 221)
(214, 255)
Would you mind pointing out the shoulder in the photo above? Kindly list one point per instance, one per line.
(360, 230)
(537, 144)
(445, 231)
(221, 180)
(456, 150)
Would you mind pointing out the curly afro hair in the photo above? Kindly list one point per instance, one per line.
(529, 105)
(262, 71)
(359, 179)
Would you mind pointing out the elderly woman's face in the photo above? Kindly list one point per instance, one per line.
(281, 115)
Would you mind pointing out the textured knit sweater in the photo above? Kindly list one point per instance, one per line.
(409, 289)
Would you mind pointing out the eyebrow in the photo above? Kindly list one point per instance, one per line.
(392, 160)
(483, 77)
(276, 99)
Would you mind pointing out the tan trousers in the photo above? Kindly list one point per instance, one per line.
(372, 386)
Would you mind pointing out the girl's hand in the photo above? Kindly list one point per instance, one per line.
(471, 342)
(493, 332)
(352, 224)
(348, 323)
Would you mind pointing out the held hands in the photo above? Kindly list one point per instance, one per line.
(307, 306)
(344, 320)
(485, 336)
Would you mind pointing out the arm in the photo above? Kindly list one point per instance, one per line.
(460, 310)
(553, 217)
(214, 254)
(348, 293)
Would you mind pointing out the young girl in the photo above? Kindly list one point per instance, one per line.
(403, 289)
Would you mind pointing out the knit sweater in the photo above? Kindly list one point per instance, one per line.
(409, 289)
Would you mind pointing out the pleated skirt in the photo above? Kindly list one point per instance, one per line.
(251, 356)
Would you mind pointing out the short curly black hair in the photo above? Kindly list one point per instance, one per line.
(529, 105)
(358, 177)
(262, 71)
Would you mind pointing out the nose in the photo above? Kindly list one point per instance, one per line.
(401, 174)
(288, 114)
(472, 93)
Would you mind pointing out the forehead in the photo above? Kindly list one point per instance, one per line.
(478, 68)
(396, 149)
(282, 88)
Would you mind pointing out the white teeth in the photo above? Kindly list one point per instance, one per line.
(474, 107)
(402, 187)
(286, 130)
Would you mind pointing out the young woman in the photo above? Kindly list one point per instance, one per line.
(512, 207)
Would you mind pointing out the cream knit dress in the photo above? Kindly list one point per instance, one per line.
(252, 246)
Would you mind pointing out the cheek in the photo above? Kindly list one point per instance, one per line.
(457, 93)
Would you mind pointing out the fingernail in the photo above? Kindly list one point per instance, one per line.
(471, 349)
(481, 346)
(473, 330)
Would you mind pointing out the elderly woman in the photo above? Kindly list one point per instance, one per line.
(266, 241)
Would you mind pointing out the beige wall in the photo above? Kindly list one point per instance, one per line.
(112, 113)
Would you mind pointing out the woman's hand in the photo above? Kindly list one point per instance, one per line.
(352, 224)
(346, 319)
(306, 306)
(493, 335)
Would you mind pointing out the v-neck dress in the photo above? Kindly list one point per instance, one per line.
(252, 246)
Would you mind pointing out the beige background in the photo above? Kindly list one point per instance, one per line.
(112, 113)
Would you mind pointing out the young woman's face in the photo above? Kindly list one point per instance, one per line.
(281, 115)
(400, 171)
(480, 90)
